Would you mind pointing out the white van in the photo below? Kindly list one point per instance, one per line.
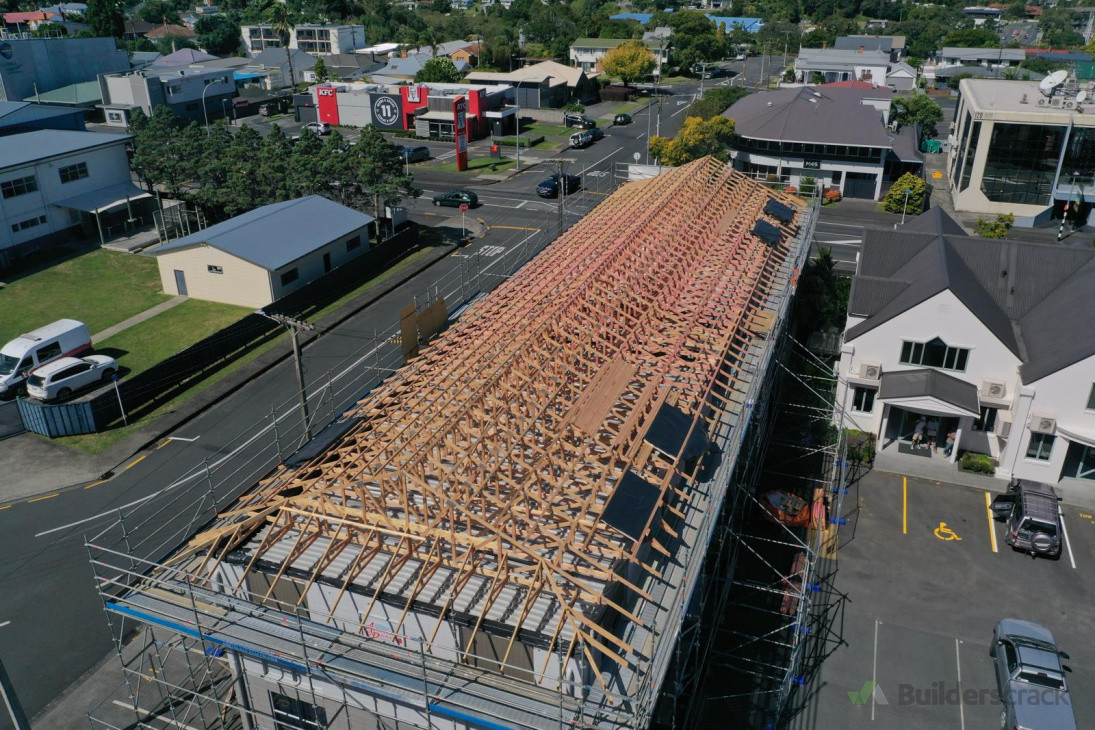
(17, 358)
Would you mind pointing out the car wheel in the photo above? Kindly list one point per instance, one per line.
(108, 374)
(64, 394)
(437, 203)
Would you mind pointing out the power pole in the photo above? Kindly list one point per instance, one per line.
(562, 187)
(295, 326)
(11, 702)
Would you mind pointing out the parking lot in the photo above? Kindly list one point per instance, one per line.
(926, 575)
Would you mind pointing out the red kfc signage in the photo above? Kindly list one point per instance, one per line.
(460, 126)
(327, 101)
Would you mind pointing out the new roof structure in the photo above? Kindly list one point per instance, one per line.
(531, 471)
(277, 234)
(28, 147)
(822, 115)
(1035, 298)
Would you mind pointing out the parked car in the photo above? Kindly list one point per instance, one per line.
(456, 198)
(414, 154)
(581, 121)
(65, 337)
(61, 378)
(597, 133)
(320, 128)
(1029, 509)
(1030, 677)
(550, 188)
(620, 119)
(581, 139)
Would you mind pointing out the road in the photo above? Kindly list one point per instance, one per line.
(58, 629)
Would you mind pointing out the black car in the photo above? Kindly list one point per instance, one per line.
(456, 198)
(550, 188)
(621, 119)
(414, 154)
(597, 133)
(581, 121)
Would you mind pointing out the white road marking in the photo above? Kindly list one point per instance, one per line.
(961, 709)
(490, 251)
(874, 668)
(4, 624)
(1068, 543)
(680, 111)
(610, 154)
(180, 438)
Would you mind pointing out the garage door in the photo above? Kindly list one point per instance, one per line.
(859, 185)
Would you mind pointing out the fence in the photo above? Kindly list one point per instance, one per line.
(66, 419)
(11, 423)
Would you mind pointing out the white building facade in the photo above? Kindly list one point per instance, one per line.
(966, 344)
(586, 53)
(319, 39)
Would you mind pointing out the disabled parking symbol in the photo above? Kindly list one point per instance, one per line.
(945, 533)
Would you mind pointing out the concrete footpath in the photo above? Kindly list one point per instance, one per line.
(34, 465)
(138, 318)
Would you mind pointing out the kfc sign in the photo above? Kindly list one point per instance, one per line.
(413, 95)
(325, 91)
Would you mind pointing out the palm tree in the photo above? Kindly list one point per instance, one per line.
(282, 20)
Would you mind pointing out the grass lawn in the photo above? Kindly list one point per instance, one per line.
(99, 288)
(480, 164)
(96, 443)
(626, 108)
(548, 130)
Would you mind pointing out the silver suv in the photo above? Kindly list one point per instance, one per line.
(1030, 677)
(1029, 509)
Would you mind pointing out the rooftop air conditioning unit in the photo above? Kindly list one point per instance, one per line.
(993, 388)
(1042, 424)
(870, 371)
(1003, 429)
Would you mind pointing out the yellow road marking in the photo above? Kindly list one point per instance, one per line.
(904, 505)
(47, 496)
(136, 461)
(6, 506)
(513, 228)
(945, 533)
(95, 484)
(163, 443)
(992, 528)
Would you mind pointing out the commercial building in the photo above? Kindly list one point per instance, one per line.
(24, 116)
(426, 109)
(586, 53)
(989, 342)
(315, 38)
(85, 96)
(1015, 150)
(262, 255)
(829, 65)
(29, 65)
(58, 184)
(520, 527)
(543, 85)
(190, 93)
(840, 136)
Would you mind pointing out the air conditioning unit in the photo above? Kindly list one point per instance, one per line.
(1003, 429)
(993, 388)
(1042, 424)
(870, 371)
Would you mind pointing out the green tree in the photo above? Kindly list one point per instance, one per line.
(997, 228)
(281, 20)
(50, 30)
(1015, 11)
(379, 168)
(104, 17)
(218, 34)
(439, 70)
(822, 297)
(157, 156)
(896, 200)
(972, 38)
(953, 81)
(920, 110)
(320, 70)
(697, 138)
(628, 61)
(715, 101)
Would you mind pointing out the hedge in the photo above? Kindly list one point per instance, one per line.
(527, 141)
(979, 463)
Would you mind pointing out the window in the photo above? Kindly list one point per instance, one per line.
(353, 243)
(291, 713)
(48, 352)
(1021, 163)
(934, 354)
(214, 269)
(28, 223)
(863, 400)
(1091, 398)
(114, 116)
(987, 420)
(289, 276)
(18, 186)
(71, 173)
(1040, 446)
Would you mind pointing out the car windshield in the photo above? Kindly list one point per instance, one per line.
(1040, 526)
(35, 380)
(7, 364)
(1042, 680)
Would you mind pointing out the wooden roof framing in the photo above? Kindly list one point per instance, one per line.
(494, 453)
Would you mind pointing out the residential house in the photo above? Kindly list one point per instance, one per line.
(894, 45)
(547, 84)
(28, 21)
(838, 136)
(350, 66)
(170, 30)
(260, 256)
(469, 54)
(825, 65)
(31, 65)
(56, 184)
(135, 28)
(982, 14)
(143, 59)
(190, 93)
(586, 53)
(181, 57)
(24, 116)
(407, 67)
(995, 58)
(274, 64)
(988, 342)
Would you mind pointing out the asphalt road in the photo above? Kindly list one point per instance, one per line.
(57, 628)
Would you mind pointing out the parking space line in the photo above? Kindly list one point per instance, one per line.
(992, 523)
(1068, 543)
(961, 709)
(874, 669)
(904, 505)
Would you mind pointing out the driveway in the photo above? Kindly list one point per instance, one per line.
(927, 575)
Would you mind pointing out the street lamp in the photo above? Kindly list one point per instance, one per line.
(906, 206)
(205, 109)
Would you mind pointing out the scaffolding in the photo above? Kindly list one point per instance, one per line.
(568, 570)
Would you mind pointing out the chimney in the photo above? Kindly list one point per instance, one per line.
(861, 48)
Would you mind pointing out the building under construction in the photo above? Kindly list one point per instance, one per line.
(516, 523)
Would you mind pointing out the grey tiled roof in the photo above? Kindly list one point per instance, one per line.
(813, 114)
(1035, 298)
(931, 383)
